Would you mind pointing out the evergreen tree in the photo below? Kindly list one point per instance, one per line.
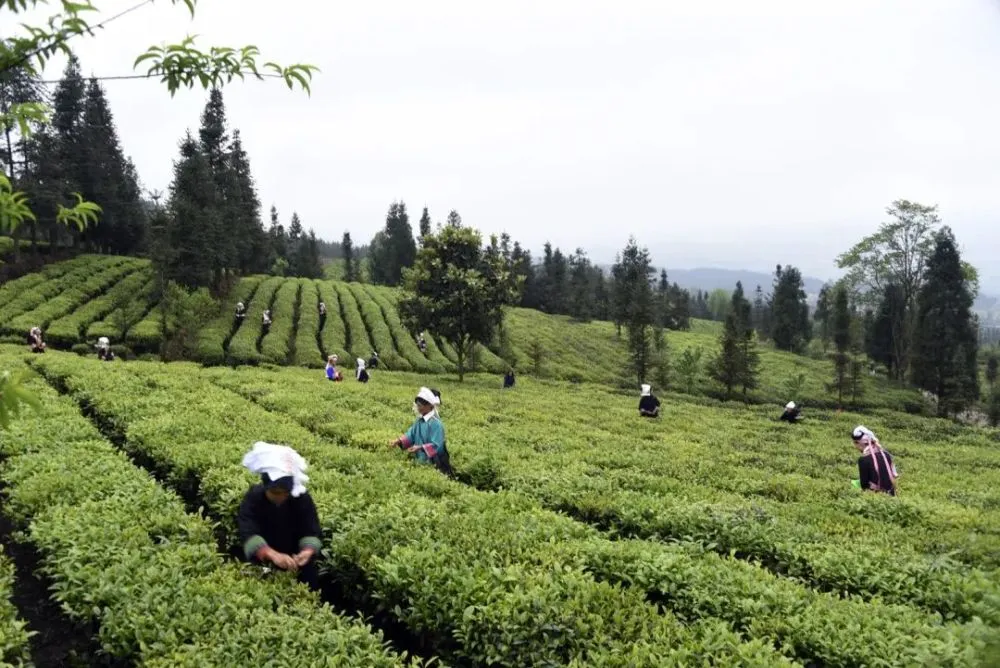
(295, 231)
(309, 263)
(350, 267)
(791, 328)
(559, 283)
(194, 218)
(635, 304)
(581, 294)
(822, 316)
(760, 316)
(18, 85)
(991, 370)
(296, 241)
(252, 249)
(945, 344)
(738, 362)
(109, 180)
(841, 341)
(393, 248)
(214, 139)
(887, 327)
(425, 224)
(277, 236)
(454, 220)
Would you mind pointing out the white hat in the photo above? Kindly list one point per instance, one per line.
(428, 396)
(790, 405)
(645, 390)
(361, 363)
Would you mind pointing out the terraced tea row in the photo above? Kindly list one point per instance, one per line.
(75, 298)
(155, 585)
(689, 477)
(463, 568)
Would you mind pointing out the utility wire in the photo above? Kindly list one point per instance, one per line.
(31, 54)
(130, 77)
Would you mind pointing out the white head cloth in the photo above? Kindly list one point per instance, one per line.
(646, 389)
(428, 396)
(278, 461)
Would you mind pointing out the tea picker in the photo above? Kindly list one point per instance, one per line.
(876, 469)
(792, 413)
(277, 519)
(425, 439)
(649, 404)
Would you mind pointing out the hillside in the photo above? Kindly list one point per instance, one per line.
(72, 302)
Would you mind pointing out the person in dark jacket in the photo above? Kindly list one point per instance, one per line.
(792, 413)
(265, 322)
(361, 373)
(425, 438)
(277, 519)
(35, 340)
(322, 315)
(649, 405)
(373, 360)
(876, 469)
(241, 312)
(508, 379)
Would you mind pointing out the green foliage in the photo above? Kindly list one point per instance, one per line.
(393, 249)
(274, 344)
(243, 345)
(182, 314)
(215, 335)
(307, 351)
(155, 587)
(458, 290)
(14, 395)
(14, 633)
(72, 327)
(737, 364)
(945, 347)
(634, 304)
(689, 368)
(790, 326)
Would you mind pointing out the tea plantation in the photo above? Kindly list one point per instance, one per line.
(574, 533)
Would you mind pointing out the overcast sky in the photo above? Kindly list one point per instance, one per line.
(730, 133)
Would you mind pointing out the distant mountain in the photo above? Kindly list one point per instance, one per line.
(707, 278)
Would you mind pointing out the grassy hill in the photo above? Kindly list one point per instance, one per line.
(71, 302)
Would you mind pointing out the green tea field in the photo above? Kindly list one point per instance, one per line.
(573, 534)
(79, 300)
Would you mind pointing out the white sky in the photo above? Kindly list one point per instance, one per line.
(730, 133)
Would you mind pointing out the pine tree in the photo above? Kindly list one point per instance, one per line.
(296, 241)
(822, 316)
(425, 224)
(251, 246)
(454, 219)
(887, 326)
(841, 341)
(194, 218)
(109, 180)
(277, 237)
(309, 262)
(945, 345)
(581, 294)
(18, 85)
(558, 283)
(791, 328)
(738, 362)
(350, 266)
(991, 370)
(394, 248)
(635, 304)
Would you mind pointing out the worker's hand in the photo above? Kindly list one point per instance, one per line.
(394, 443)
(303, 557)
(413, 448)
(285, 562)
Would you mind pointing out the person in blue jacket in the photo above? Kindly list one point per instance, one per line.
(425, 439)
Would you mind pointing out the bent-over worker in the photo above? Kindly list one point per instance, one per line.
(331, 369)
(649, 405)
(277, 519)
(876, 469)
(792, 413)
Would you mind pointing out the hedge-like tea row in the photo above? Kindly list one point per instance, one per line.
(274, 345)
(307, 351)
(11, 289)
(811, 625)
(73, 298)
(405, 344)
(14, 633)
(141, 303)
(75, 271)
(334, 334)
(212, 338)
(243, 345)
(155, 584)
(459, 568)
(672, 493)
(381, 337)
(70, 329)
(357, 333)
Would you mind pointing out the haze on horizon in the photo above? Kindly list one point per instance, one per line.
(720, 133)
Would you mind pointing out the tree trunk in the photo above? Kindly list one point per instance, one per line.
(460, 354)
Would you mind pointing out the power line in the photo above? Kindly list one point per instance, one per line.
(31, 54)
(131, 77)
